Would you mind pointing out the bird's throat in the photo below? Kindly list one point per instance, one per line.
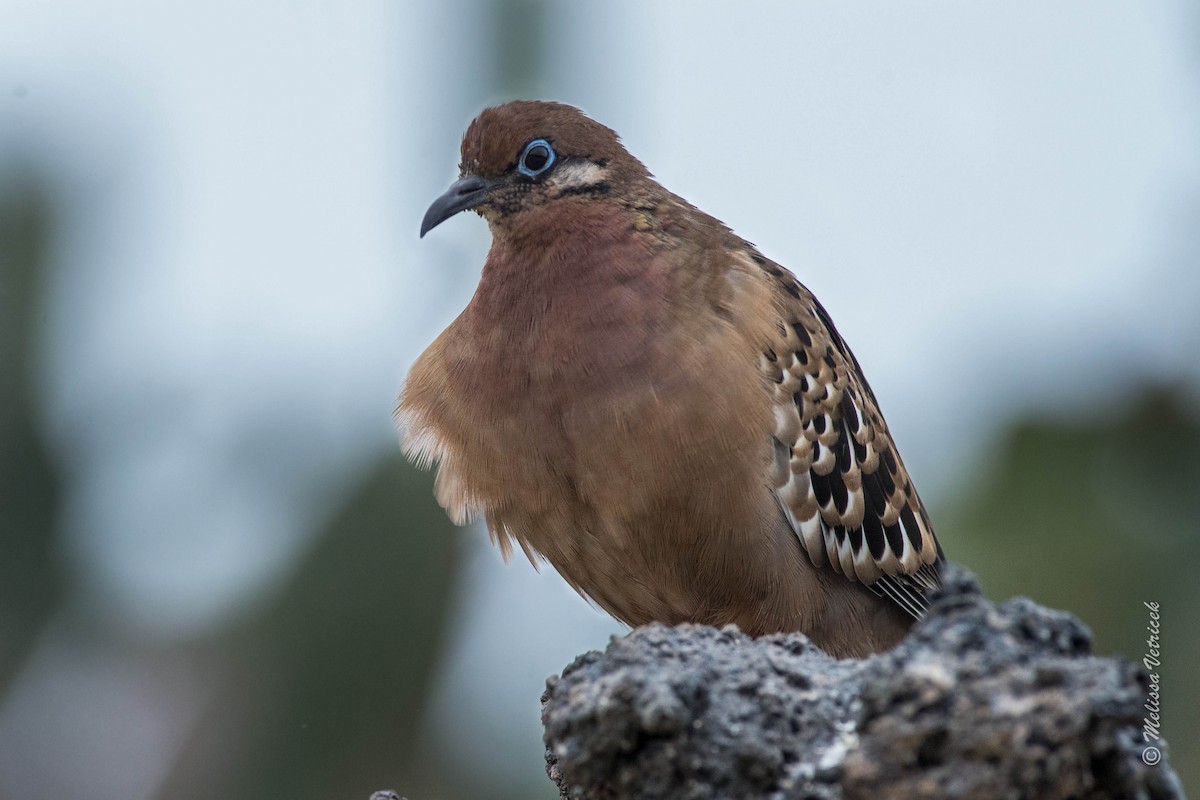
(579, 313)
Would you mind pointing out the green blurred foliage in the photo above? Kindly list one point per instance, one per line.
(1098, 515)
(31, 574)
(319, 694)
(325, 690)
(521, 28)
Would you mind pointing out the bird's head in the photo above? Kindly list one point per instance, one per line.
(527, 154)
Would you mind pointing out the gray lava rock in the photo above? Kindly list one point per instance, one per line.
(979, 701)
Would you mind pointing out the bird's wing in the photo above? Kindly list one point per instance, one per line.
(838, 478)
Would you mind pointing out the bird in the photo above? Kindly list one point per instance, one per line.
(641, 398)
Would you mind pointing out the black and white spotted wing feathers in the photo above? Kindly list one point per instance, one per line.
(838, 478)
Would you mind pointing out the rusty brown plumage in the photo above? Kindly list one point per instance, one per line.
(670, 419)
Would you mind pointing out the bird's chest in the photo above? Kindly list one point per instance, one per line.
(568, 377)
(603, 416)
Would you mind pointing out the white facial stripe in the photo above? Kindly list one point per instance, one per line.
(578, 174)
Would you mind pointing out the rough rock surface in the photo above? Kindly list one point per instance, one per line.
(980, 701)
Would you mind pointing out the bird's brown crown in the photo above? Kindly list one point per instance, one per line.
(496, 138)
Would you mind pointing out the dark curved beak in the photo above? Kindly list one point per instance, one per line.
(466, 192)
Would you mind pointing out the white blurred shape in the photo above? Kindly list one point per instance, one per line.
(228, 317)
(87, 717)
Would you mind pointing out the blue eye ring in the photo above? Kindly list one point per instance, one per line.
(537, 157)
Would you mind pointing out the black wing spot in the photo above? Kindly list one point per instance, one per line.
(856, 538)
(886, 483)
(802, 334)
(850, 412)
(841, 496)
(821, 488)
(875, 494)
(895, 538)
(842, 450)
(873, 530)
(911, 528)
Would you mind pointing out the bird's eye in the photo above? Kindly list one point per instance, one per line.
(536, 158)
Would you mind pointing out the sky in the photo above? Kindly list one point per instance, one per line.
(997, 202)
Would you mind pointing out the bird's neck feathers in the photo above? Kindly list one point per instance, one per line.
(576, 249)
(573, 279)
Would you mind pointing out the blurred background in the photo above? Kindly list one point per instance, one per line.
(218, 577)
